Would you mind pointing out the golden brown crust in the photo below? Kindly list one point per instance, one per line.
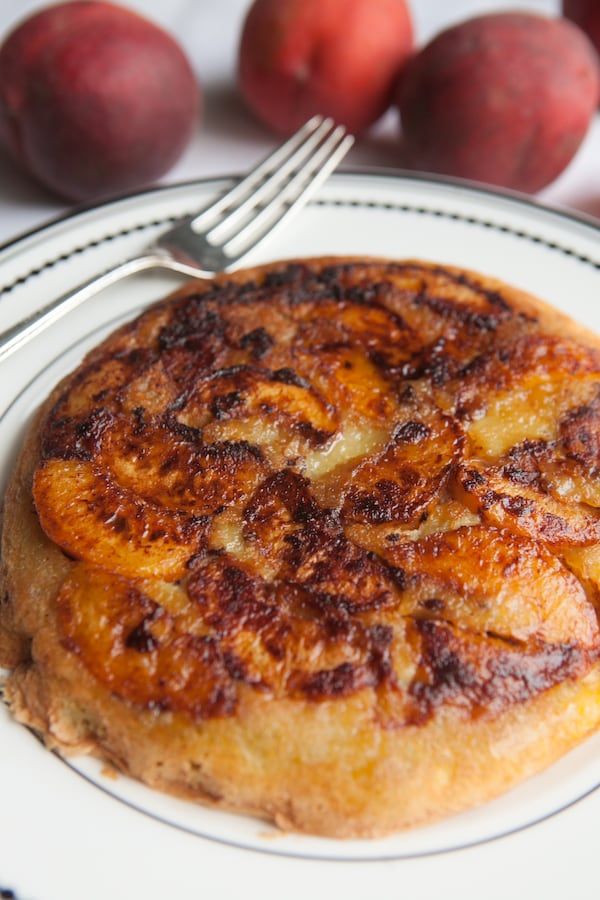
(317, 541)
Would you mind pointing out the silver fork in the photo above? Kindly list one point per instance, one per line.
(219, 236)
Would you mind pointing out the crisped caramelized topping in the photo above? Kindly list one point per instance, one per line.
(333, 477)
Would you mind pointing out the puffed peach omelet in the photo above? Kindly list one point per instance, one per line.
(319, 542)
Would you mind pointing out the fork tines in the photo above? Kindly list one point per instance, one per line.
(275, 188)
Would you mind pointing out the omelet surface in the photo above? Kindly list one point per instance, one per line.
(317, 541)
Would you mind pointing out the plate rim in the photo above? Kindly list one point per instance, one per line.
(516, 199)
(112, 207)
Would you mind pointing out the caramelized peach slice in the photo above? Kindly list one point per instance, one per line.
(146, 644)
(399, 484)
(473, 577)
(172, 467)
(294, 538)
(349, 379)
(93, 518)
(504, 499)
(246, 392)
(96, 386)
(285, 638)
(528, 388)
(375, 331)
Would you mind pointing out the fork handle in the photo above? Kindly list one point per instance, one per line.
(25, 330)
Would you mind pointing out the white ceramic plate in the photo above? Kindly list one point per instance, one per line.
(67, 830)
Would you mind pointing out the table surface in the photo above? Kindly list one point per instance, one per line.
(229, 140)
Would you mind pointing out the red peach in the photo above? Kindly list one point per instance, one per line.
(504, 98)
(335, 57)
(95, 99)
